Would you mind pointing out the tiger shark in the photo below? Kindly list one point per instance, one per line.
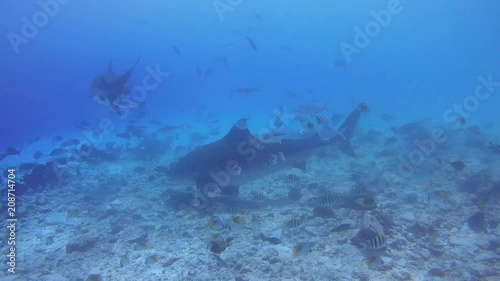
(112, 90)
(240, 157)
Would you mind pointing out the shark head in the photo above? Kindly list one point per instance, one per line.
(109, 89)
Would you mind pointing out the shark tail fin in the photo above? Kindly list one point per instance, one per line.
(345, 133)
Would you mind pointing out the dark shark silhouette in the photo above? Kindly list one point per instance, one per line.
(110, 89)
(238, 157)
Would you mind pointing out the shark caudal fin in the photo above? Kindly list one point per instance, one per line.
(345, 133)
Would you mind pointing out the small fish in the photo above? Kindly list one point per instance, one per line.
(270, 239)
(124, 260)
(374, 261)
(438, 195)
(293, 178)
(457, 165)
(218, 243)
(494, 147)
(74, 213)
(363, 107)
(246, 90)
(411, 199)
(301, 249)
(377, 242)
(152, 259)
(484, 201)
(321, 120)
(460, 120)
(219, 246)
(37, 155)
(389, 181)
(258, 196)
(58, 152)
(141, 246)
(215, 223)
(295, 222)
(232, 210)
(176, 50)
(334, 200)
(312, 108)
(252, 43)
(310, 125)
(341, 227)
(367, 203)
(357, 190)
(126, 136)
(272, 160)
(12, 151)
(237, 219)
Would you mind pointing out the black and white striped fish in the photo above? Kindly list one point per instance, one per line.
(377, 242)
(321, 120)
(494, 147)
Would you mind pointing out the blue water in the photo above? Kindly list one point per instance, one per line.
(413, 66)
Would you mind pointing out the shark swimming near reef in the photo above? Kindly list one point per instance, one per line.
(240, 157)
(112, 90)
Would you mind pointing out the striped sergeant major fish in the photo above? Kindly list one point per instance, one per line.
(377, 242)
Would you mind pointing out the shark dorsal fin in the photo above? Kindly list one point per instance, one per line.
(109, 76)
(239, 133)
(347, 128)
